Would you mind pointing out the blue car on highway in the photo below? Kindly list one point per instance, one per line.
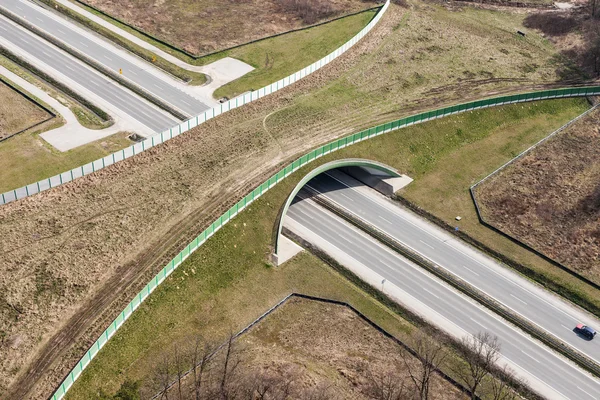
(585, 331)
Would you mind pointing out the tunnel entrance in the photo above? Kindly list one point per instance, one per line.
(336, 176)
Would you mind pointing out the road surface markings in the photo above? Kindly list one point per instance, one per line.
(386, 220)
(528, 355)
(25, 41)
(19, 8)
(39, 19)
(467, 268)
(433, 294)
(67, 67)
(593, 397)
(3, 28)
(108, 58)
(157, 86)
(567, 328)
(84, 44)
(483, 326)
(518, 299)
(426, 244)
(349, 198)
(133, 73)
(59, 31)
(186, 103)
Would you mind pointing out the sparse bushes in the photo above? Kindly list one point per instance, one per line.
(309, 11)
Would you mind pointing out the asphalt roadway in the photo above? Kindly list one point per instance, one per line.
(90, 45)
(102, 86)
(549, 312)
(557, 378)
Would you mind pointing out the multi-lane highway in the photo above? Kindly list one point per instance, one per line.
(102, 86)
(103, 52)
(548, 311)
(547, 372)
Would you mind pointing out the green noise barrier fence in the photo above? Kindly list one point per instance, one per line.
(284, 173)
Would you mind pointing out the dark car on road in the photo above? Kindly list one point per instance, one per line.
(585, 331)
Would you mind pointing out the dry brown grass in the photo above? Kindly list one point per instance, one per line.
(71, 257)
(320, 348)
(550, 198)
(206, 26)
(17, 112)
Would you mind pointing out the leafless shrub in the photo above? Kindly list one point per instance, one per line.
(552, 24)
(386, 385)
(431, 356)
(480, 353)
(309, 11)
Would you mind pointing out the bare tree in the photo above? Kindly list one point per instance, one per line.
(480, 353)
(499, 388)
(230, 364)
(179, 364)
(163, 373)
(387, 385)
(595, 8)
(431, 356)
(200, 355)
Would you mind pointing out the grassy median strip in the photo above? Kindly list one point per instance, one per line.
(226, 283)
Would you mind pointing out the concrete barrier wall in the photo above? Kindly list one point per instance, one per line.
(284, 173)
(185, 126)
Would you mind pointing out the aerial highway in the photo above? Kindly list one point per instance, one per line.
(546, 372)
(548, 311)
(103, 52)
(102, 86)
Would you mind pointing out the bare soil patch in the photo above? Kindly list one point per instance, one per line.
(550, 198)
(206, 26)
(71, 258)
(17, 112)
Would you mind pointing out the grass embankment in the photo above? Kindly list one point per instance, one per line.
(27, 158)
(85, 117)
(272, 59)
(550, 198)
(16, 111)
(226, 283)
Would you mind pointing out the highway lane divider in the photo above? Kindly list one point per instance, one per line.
(114, 75)
(462, 286)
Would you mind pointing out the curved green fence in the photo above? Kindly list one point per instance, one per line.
(279, 176)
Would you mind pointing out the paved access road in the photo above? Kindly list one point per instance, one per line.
(102, 86)
(547, 372)
(101, 51)
(548, 311)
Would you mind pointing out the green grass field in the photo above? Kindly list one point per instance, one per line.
(227, 283)
(27, 158)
